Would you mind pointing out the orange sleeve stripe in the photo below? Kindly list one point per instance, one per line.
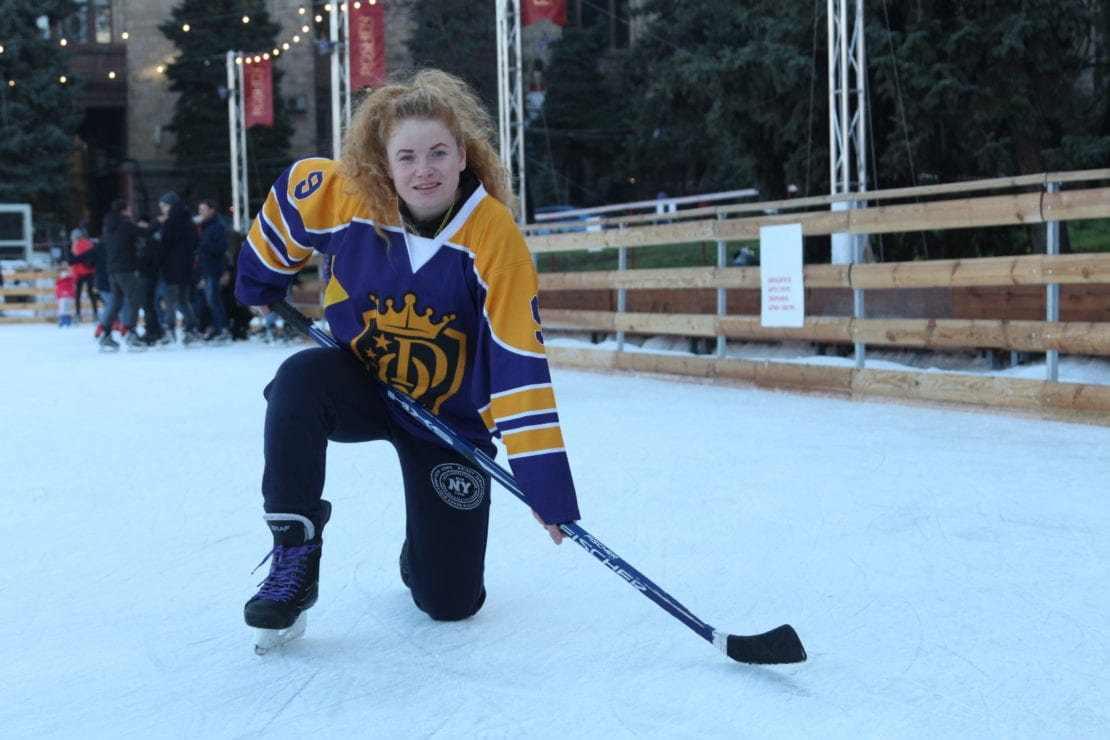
(524, 401)
(487, 418)
(531, 441)
(271, 211)
(266, 253)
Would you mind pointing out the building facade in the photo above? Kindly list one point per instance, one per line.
(120, 56)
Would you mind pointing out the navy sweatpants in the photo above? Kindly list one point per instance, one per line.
(324, 395)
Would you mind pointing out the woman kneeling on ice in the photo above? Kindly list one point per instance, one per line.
(432, 290)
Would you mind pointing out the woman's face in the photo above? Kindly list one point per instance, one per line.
(424, 162)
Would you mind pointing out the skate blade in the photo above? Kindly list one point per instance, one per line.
(266, 640)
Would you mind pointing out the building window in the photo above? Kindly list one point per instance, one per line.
(91, 23)
(102, 20)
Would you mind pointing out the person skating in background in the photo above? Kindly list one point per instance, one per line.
(120, 239)
(103, 286)
(432, 289)
(148, 262)
(239, 317)
(212, 265)
(65, 291)
(177, 251)
(269, 328)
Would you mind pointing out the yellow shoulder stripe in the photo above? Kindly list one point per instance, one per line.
(524, 401)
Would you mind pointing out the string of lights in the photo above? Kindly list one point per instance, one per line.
(196, 25)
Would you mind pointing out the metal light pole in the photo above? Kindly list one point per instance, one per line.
(847, 111)
(339, 35)
(237, 132)
(510, 97)
(848, 133)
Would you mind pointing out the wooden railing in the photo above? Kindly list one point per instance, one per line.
(1078, 283)
(627, 301)
(1029, 336)
(28, 297)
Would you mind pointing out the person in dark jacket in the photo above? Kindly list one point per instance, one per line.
(177, 251)
(212, 264)
(148, 275)
(121, 238)
(102, 284)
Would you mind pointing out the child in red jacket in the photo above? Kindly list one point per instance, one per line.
(65, 290)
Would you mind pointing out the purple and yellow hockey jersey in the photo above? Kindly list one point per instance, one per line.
(453, 321)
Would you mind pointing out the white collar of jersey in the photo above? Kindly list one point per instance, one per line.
(421, 249)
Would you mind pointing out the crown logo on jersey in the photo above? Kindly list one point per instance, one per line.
(411, 351)
(407, 322)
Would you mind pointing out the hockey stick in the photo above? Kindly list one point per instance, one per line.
(780, 645)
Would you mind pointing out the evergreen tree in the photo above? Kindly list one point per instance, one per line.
(202, 149)
(460, 38)
(38, 114)
(727, 95)
(978, 90)
(720, 96)
(573, 145)
(988, 90)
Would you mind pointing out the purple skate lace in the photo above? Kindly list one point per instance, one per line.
(286, 572)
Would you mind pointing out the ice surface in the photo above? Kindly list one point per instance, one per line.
(946, 570)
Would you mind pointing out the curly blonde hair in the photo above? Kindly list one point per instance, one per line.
(428, 94)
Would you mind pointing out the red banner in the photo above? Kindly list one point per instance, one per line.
(367, 42)
(543, 10)
(258, 93)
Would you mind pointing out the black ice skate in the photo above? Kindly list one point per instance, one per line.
(107, 344)
(133, 342)
(277, 611)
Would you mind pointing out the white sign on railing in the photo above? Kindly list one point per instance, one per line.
(780, 269)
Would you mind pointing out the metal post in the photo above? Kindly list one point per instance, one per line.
(244, 192)
(502, 20)
(1052, 298)
(345, 68)
(622, 294)
(857, 299)
(340, 98)
(510, 98)
(848, 133)
(233, 137)
(859, 62)
(237, 134)
(834, 36)
(847, 114)
(844, 127)
(722, 294)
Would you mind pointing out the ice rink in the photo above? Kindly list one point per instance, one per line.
(946, 570)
